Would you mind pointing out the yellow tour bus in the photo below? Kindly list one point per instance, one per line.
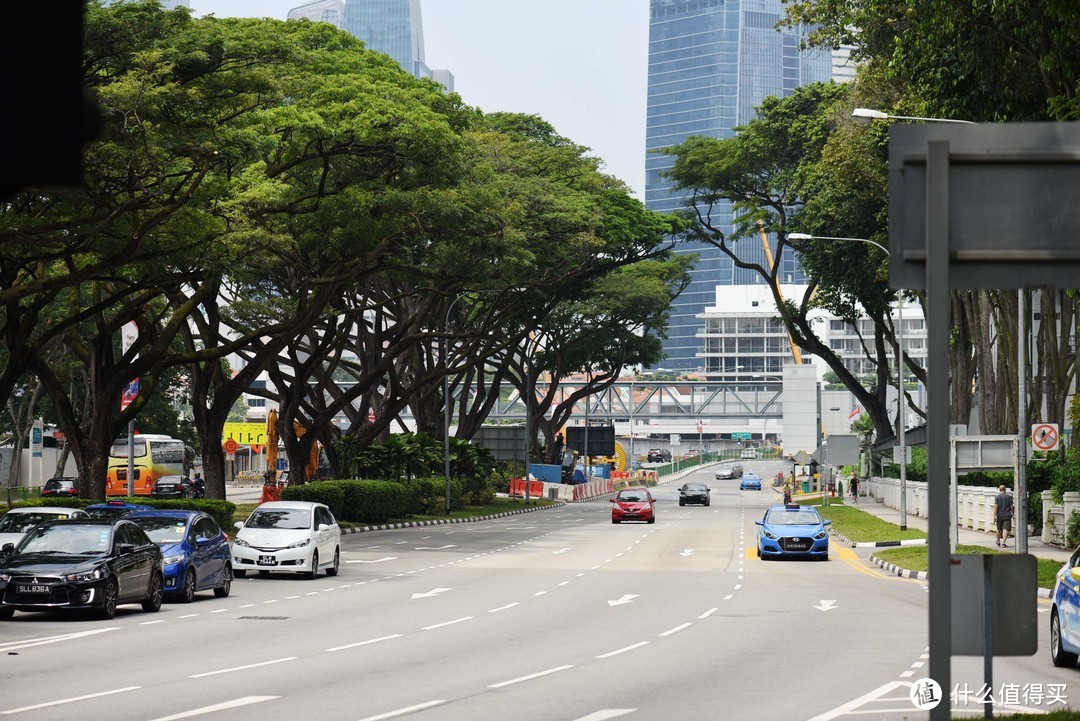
(154, 455)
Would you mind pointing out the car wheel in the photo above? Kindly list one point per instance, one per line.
(226, 582)
(652, 520)
(314, 572)
(332, 571)
(613, 520)
(681, 503)
(707, 503)
(152, 603)
(109, 596)
(759, 553)
(1060, 656)
(239, 573)
(187, 593)
(6, 614)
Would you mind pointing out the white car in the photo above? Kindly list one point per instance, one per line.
(288, 537)
(15, 523)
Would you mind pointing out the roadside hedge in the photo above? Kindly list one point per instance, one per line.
(373, 501)
(222, 511)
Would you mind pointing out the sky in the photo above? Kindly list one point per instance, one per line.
(579, 64)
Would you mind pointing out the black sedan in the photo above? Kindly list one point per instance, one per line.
(173, 487)
(82, 564)
(694, 493)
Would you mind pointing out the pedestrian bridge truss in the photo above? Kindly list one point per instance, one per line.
(687, 401)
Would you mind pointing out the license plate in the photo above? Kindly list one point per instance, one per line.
(267, 561)
(32, 588)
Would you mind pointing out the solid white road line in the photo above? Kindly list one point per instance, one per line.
(31, 642)
(73, 699)
(235, 703)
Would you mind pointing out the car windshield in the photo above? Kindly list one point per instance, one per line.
(284, 518)
(15, 522)
(694, 486)
(74, 540)
(793, 518)
(163, 530)
(632, 496)
(53, 484)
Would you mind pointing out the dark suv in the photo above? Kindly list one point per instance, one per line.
(61, 487)
(659, 455)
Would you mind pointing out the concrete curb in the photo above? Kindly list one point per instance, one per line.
(922, 575)
(441, 522)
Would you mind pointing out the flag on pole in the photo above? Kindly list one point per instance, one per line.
(855, 413)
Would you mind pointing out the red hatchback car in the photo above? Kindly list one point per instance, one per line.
(633, 504)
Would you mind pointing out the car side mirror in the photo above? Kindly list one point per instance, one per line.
(7, 549)
(125, 548)
(238, 525)
(323, 527)
(202, 541)
(612, 500)
(759, 522)
(827, 522)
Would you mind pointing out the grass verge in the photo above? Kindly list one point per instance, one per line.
(914, 558)
(859, 526)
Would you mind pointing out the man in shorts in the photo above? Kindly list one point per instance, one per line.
(1003, 513)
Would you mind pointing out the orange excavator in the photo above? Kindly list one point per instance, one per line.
(271, 485)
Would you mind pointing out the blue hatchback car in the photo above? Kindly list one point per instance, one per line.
(115, 508)
(196, 550)
(750, 482)
(793, 531)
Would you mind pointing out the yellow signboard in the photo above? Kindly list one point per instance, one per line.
(245, 434)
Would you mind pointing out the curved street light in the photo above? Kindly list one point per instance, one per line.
(899, 367)
(867, 115)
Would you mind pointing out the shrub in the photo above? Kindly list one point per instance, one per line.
(1072, 531)
(328, 492)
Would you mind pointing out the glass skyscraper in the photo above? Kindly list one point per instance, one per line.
(711, 63)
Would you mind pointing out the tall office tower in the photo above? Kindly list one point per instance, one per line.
(323, 11)
(711, 63)
(394, 27)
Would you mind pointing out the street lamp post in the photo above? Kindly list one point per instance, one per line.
(866, 115)
(899, 368)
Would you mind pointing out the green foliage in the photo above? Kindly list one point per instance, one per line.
(1072, 532)
(364, 501)
(328, 492)
(222, 511)
(1064, 477)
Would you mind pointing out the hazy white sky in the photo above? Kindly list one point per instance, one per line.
(579, 64)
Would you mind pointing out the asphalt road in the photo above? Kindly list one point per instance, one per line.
(544, 616)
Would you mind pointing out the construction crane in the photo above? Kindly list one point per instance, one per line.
(271, 489)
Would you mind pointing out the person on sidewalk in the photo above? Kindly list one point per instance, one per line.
(1003, 513)
(855, 488)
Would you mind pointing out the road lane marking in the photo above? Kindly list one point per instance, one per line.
(151, 623)
(708, 613)
(609, 654)
(503, 608)
(73, 699)
(406, 710)
(30, 643)
(606, 713)
(362, 643)
(530, 677)
(235, 703)
(676, 629)
(448, 623)
(243, 668)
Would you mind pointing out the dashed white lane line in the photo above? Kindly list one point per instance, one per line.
(73, 699)
(616, 652)
(708, 613)
(530, 677)
(403, 711)
(448, 623)
(503, 608)
(728, 597)
(605, 713)
(151, 623)
(363, 643)
(243, 668)
(235, 703)
(676, 629)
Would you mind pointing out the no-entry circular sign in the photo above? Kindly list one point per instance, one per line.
(231, 446)
(1044, 436)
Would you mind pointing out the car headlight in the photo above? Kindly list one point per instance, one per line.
(820, 535)
(241, 542)
(770, 535)
(175, 558)
(85, 576)
(5, 577)
(299, 544)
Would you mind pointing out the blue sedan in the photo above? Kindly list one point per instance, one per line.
(750, 482)
(1065, 614)
(197, 553)
(793, 531)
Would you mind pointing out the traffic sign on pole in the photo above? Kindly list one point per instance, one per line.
(1045, 436)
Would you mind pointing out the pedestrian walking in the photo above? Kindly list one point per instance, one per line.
(1003, 513)
(855, 488)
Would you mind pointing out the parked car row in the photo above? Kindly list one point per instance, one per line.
(115, 553)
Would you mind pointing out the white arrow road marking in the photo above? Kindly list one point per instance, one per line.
(561, 550)
(377, 560)
(625, 599)
(432, 548)
(826, 605)
(245, 701)
(687, 552)
(433, 592)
